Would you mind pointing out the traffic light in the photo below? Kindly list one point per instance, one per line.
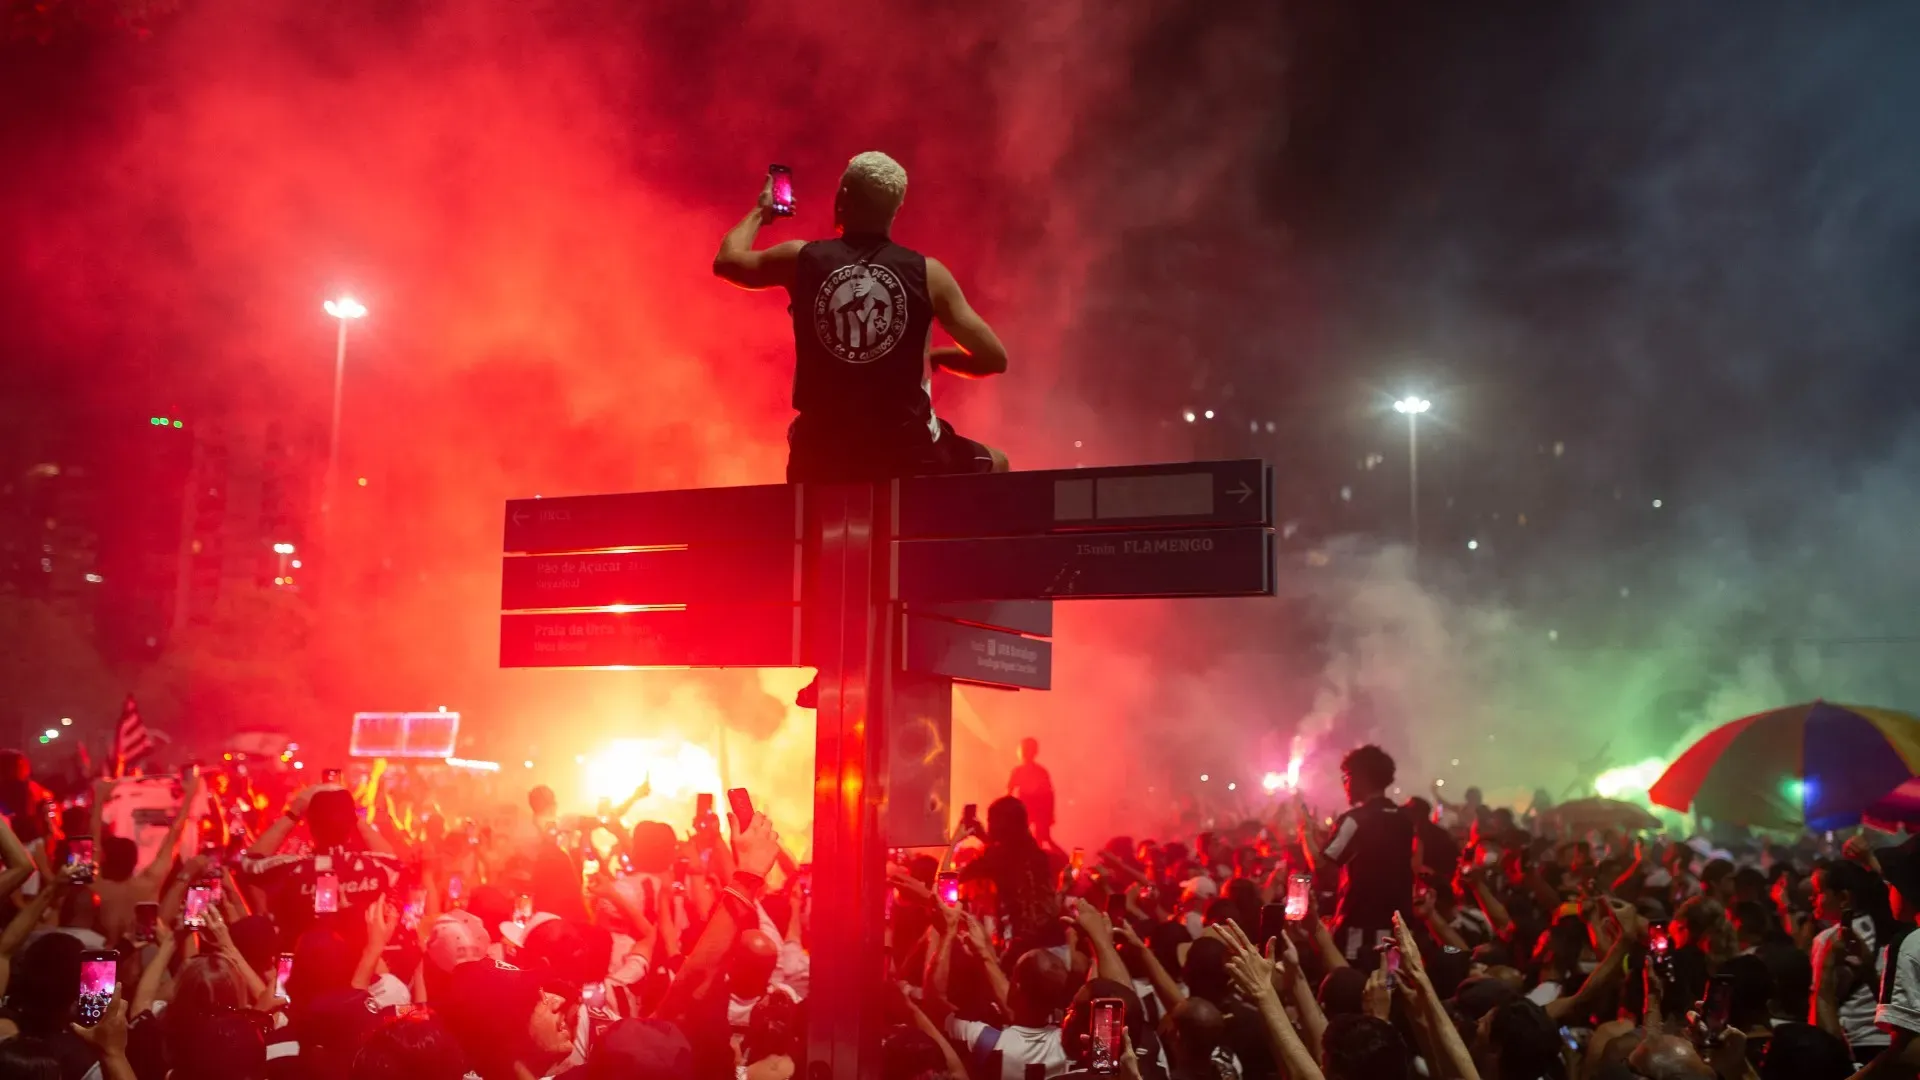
(166, 421)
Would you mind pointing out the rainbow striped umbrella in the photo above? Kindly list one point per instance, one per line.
(1816, 766)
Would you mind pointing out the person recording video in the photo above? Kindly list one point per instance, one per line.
(863, 313)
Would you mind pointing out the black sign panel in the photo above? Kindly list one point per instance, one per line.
(653, 518)
(715, 636)
(1183, 495)
(711, 574)
(1031, 617)
(1132, 565)
(975, 654)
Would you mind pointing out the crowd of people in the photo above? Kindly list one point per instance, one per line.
(365, 928)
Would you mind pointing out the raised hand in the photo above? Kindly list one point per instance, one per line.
(1091, 921)
(756, 847)
(1252, 975)
(109, 1036)
(1410, 960)
(976, 939)
(217, 928)
(1234, 938)
(1377, 999)
(382, 919)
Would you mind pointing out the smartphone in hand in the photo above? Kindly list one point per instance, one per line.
(1109, 1035)
(80, 858)
(199, 898)
(146, 922)
(1273, 923)
(1299, 897)
(1717, 1010)
(326, 886)
(742, 806)
(99, 980)
(782, 178)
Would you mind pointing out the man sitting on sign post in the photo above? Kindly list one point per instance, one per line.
(863, 313)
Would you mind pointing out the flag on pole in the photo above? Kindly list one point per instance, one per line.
(130, 741)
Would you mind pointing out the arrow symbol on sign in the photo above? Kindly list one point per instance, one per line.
(1245, 491)
(520, 516)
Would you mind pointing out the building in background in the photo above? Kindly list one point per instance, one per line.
(201, 512)
(49, 548)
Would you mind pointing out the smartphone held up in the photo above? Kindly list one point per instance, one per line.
(80, 859)
(1717, 1010)
(99, 980)
(1109, 1035)
(1299, 897)
(146, 922)
(199, 899)
(742, 806)
(781, 179)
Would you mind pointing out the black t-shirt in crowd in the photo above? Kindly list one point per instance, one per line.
(288, 881)
(1373, 846)
(1438, 852)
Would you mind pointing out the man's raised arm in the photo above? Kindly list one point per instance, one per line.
(977, 351)
(739, 263)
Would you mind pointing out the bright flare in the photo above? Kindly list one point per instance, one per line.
(1298, 758)
(1272, 782)
(345, 308)
(1629, 781)
(676, 770)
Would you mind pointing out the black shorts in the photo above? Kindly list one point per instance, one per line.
(823, 452)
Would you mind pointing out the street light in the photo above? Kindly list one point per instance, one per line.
(344, 309)
(1413, 406)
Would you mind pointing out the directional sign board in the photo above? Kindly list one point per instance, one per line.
(975, 654)
(653, 518)
(1185, 495)
(1129, 565)
(751, 573)
(1033, 618)
(597, 567)
(712, 636)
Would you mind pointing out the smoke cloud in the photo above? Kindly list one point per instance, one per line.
(1676, 249)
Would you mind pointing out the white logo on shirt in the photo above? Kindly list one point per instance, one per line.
(860, 312)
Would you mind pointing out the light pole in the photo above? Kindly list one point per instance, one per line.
(1412, 406)
(344, 309)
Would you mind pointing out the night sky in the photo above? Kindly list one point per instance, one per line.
(1682, 243)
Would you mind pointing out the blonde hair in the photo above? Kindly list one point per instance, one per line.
(877, 181)
(207, 982)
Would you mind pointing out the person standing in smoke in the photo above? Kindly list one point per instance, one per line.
(863, 310)
(1031, 784)
(1373, 846)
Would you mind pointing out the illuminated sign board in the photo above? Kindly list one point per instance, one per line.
(404, 734)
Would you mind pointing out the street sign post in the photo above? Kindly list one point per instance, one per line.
(901, 588)
(750, 573)
(975, 654)
(712, 636)
(1184, 495)
(652, 519)
(1031, 617)
(1132, 565)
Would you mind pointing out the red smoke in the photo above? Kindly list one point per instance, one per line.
(527, 198)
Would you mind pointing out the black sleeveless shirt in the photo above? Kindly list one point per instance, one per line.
(862, 314)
